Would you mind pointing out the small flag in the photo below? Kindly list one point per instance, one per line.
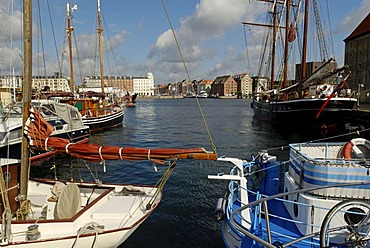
(292, 34)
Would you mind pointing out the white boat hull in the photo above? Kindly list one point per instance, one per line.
(106, 217)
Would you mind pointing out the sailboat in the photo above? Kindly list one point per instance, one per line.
(98, 110)
(317, 99)
(65, 119)
(54, 213)
(130, 100)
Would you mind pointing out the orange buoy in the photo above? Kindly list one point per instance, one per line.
(352, 146)
(347, 150)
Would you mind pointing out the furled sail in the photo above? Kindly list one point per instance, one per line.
(38, 131)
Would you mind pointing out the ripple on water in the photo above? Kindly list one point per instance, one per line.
(185, 216)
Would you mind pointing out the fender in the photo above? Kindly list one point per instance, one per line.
(352, 146)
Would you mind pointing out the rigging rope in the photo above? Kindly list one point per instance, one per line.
(6, 216)
(54, 39)
(6, 227)
(188, 75)
(40, 34)
(24, 210)
(246, 49)
(159, 188)
(79, 66)
(162, 181)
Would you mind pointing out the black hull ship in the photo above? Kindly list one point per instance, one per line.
(317, 96)
(299, 113)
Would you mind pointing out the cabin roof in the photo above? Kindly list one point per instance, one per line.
(362, 29)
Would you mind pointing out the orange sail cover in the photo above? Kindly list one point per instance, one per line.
(38, 133)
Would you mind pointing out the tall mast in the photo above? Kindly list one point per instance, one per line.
(100, 30)
(273, 45)
(286, 54)
(69, 33)
(304, 48)
(26, 93)
(274, 27)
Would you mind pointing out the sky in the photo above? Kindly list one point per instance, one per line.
(139, 39)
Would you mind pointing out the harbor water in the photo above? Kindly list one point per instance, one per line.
(185, 217)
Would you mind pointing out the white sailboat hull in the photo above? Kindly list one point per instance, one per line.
(107, 215)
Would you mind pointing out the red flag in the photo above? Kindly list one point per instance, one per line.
(338, 88)
(292, 34)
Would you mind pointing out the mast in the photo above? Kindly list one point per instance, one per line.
(304, 48)
(26, 94)
(274, 31)
(69, 33)
(100, 30)
(274, 27)
(286, 45)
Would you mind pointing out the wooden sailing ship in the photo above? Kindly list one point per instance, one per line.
(315, 101)
(98, 110)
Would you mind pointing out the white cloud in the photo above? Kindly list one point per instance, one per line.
(199, 33)
(11, 30)
(354, 18)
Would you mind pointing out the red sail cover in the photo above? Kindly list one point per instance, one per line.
(38, 133)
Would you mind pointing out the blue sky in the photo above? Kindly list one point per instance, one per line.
(209, 32)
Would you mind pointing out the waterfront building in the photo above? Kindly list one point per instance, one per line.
(11, 86)
(57, 82)
(161, 90)
(120, 85)
(176, 89)
(204, 85)
(144, 86)
(188, 86)
(93, 83)
(357, 57)
(244, 84)
(112, 84)
(224, 86)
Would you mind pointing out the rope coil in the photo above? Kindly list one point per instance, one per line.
(91, 227)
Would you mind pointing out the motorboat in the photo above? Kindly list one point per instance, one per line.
(316, 198)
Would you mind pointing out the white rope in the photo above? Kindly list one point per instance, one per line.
(67, 147)
(101, 156)
(89, 228)
(46, 143)
(149, 154)
(120, 153)
(6, 228)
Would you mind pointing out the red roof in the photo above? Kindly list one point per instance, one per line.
(362, 29)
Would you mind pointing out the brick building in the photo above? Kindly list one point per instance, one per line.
(224, 86)
(357, 57)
